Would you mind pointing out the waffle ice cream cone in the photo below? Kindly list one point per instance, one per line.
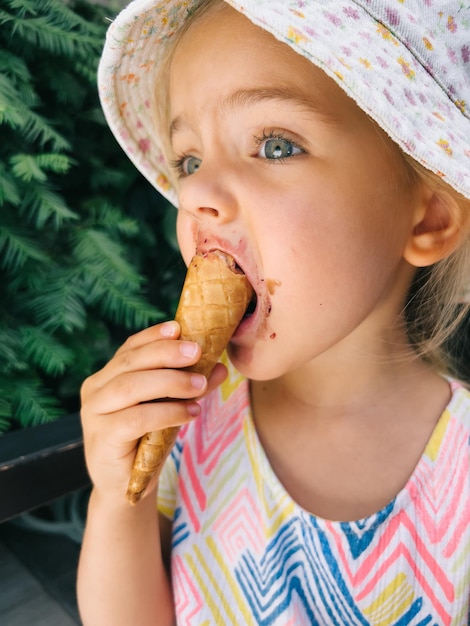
(213, 301)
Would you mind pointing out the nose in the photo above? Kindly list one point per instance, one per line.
(209, 194)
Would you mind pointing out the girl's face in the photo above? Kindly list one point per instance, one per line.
(281, 169)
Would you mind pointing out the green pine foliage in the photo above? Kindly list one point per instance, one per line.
(87, 251)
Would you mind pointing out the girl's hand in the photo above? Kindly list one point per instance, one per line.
(131, 395)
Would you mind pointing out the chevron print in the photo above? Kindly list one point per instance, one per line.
(244, 552)
(359, 535)
(239, 528)
(188, 600)
(283, 576)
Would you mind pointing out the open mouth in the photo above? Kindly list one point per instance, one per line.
(254, 299)
(251, 306)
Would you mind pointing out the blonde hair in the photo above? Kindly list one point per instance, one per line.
(439, 297)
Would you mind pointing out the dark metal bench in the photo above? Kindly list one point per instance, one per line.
(40, 464)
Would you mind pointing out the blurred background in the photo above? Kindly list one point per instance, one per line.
(87, 246)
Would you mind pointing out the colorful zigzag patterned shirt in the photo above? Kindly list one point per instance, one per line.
(244, 553)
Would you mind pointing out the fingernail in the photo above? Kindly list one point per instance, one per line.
(188, 350)
(198, 381)
(168, 329)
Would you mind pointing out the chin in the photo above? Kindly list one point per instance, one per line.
(256, 363)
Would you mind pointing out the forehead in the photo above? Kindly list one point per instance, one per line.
(224, 53)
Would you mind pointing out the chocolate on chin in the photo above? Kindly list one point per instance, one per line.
(213, 301)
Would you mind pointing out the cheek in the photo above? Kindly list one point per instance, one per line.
(186, 235)
(335, 261)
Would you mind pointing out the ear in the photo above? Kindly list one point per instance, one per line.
(438, 227)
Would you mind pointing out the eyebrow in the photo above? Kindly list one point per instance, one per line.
(247, 97)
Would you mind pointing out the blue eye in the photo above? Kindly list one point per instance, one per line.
(277, 148)
(186, 165)
(190, 165)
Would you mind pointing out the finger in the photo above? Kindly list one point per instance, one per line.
(150, 356)
(156, 355)
(130, 424)
(132, 388)
(217, 377)
(165, 330)
(111, 440)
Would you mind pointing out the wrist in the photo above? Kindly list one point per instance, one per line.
(118, 506)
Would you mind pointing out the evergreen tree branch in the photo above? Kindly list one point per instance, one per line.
(17, 246)
(32, 404)
(46, 207)
(44, 351)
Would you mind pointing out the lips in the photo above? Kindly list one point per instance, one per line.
(255, 320)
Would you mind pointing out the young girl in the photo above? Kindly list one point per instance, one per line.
(322, 475)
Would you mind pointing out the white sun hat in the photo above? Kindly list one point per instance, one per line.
(406, 63)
